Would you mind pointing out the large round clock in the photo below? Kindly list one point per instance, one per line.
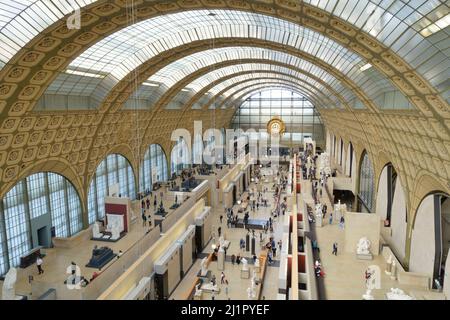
(276, 126)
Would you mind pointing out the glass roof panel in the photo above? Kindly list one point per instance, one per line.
(235, 92)
(120, 53)
(263, 78)
(399, 24)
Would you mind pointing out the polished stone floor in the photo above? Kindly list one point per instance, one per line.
(237, 287)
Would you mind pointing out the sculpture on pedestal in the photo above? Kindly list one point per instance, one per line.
(198, 291)
(393, 270)
(373, 281)
(363, 246)
(388, 265)
(115, 232)
(9, 285)
(204, 265)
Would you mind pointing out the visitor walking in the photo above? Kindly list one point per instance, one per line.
(331, 218)
(39, 263)
(219, 231)
(221, 219)
(341, 222)
(144, 219)
(335, 248)
(223, 279)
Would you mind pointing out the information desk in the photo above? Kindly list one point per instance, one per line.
(30, 257)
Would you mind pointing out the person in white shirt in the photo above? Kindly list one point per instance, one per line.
(39, 263)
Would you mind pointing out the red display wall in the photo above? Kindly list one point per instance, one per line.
(120, 209)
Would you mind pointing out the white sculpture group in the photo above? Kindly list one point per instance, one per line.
(363, 246)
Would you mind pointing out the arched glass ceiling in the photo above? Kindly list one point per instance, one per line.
(168, 76)
(409, 28)
(221, 92)
(243, 94)
(253, 70)
(120, 53)
(236, 93)
(252, 73)
(184, 67)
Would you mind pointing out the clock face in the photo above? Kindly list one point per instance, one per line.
(275, 128)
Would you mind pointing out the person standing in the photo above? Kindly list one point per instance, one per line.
(233, 259)
(144, 219)
(335, 248)
(331, 218)
(223, 279)
(39, 263)
(221, 219)
(219, 231)
(341, 222)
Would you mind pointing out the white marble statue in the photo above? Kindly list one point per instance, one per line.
(9, 285)
(368, 295)
(244, 264)
(319, 207)
(115, 232)
(398, 294)
(204, 265)
(96, 231)
(363, 246)
(198, 291)
(393, 270)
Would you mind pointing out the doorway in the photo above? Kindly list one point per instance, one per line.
(43, 237)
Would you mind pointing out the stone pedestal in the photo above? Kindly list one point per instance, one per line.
(245, 274)
(361, 256)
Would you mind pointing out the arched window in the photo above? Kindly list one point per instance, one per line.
(114, 169)
(180, 158)
(366, 185)
(430, 239)
(299, 115)
(154, 167)
(38, 203)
